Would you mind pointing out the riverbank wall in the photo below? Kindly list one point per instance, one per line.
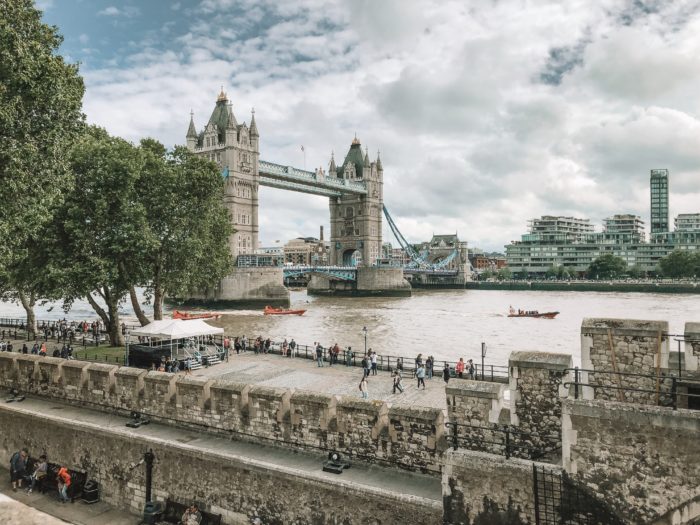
(548, 286)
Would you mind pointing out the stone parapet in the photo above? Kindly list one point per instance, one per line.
(312, 417)
(49, 377)
(100, 382)
(192, 398)
(229, 405)
(417, 436)
(625, 346)
(27, 372)
(8, 369)
(691, 335)
(159, 393)
(536, 384)
(474, 402)
(269, 412)
(640, 459)
(74, 378)
(362, 427)
(128, 388)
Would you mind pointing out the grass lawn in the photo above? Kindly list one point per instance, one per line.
(108, 354)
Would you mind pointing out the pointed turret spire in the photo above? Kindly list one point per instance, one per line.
(253, 126)
(367, 165)
(331, 167)
(231, 120)
(379, 161)
(191, 131)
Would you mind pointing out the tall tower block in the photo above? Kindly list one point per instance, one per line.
(659, 201)
(235, 149)
(356, 220)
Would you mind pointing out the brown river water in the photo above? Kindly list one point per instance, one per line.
(447, 324)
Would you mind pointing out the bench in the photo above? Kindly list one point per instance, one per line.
(50, 483)
(174, 511)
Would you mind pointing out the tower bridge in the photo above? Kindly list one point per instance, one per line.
(354, 189)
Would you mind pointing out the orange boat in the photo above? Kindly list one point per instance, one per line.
(535, 313)
(269, 310)
(188, 316)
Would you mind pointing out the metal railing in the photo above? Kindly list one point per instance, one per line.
(504, 440)
(668, 396)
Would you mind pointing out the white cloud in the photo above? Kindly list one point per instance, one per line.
(486, 114)
(126, 11)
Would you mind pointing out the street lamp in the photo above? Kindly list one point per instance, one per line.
(364, 330)
(483, 354)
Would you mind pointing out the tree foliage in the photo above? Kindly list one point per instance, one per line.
(680, 263)
(40, 116)
(607, 266)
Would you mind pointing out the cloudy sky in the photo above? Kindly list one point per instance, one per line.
(486, 113)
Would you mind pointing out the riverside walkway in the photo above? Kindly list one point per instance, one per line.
(284, 372)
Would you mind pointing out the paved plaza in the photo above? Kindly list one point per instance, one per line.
(304, 374)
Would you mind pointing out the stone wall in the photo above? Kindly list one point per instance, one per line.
(382, 281)
(487, 489)
(625, 346)
(536, 384)
(692, 346)
(411, 437)
(248, 287)
(221, 481)
(641, 459)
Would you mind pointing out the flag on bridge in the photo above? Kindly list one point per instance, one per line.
(302, 148)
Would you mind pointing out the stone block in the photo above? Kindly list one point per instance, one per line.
(229, 404)
(74, 378)
(362, 426)
(100, 382)
(474, 402)
(312, 416)
(269, 412)
(128, 387)
(692, 346)
(192, 398)
(8, 369)
(27, 372)
(49, 376)
(417, 436)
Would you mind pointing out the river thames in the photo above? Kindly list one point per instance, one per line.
(447, 324)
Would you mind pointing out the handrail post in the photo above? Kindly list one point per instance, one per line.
(454, 435)
(674, 393)
(576, 383)
(507, 443)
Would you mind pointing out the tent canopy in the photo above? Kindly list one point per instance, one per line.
(176, 329)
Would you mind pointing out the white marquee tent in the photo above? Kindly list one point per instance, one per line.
(176, 329)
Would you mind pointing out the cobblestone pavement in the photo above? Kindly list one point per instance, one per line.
(303, 374)
(20, 508)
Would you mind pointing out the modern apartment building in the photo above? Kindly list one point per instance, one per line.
(572, 242)
(659, 201)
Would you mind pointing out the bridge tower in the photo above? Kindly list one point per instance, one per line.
(235, 149)
(356, 220)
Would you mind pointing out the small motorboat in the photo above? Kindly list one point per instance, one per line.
(531, 313)
(269, 310)
(186, 316)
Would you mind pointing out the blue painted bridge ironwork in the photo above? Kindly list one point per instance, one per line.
(342, 273)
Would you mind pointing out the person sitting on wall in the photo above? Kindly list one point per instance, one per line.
(192, 516)
(18, 466)
(39, 473)
(63, 478)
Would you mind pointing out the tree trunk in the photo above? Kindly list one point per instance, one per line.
(137, 307)
(158, 297)
(110, 318)
(28, 305)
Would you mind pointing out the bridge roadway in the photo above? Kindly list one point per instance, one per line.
(290, 178)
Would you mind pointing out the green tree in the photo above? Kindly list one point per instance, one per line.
(635, 271)
(102, 228)
(486, 274)
(183, 195)
(40, 117)
(504, 274)
(680, 263)
(607, 266)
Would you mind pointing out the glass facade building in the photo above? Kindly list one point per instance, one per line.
(659, 201)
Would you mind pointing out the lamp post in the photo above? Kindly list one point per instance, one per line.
(364, 330)
(483, 354)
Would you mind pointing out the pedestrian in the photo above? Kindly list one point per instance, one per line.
(292, 347)
(330, 355)
(471, 369)
(64, 481)
(363, 387)
(25, 350)
(348, 356)
(373, 359)
(40, 470)
(319, 354)
(429, 363)
(420, 374)
(285, 345)
(419, 360)
(18, 467)
(446, 373)
(35, 348)
(336, 353)
(397, 382)
(365, 365)
(460, 367)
